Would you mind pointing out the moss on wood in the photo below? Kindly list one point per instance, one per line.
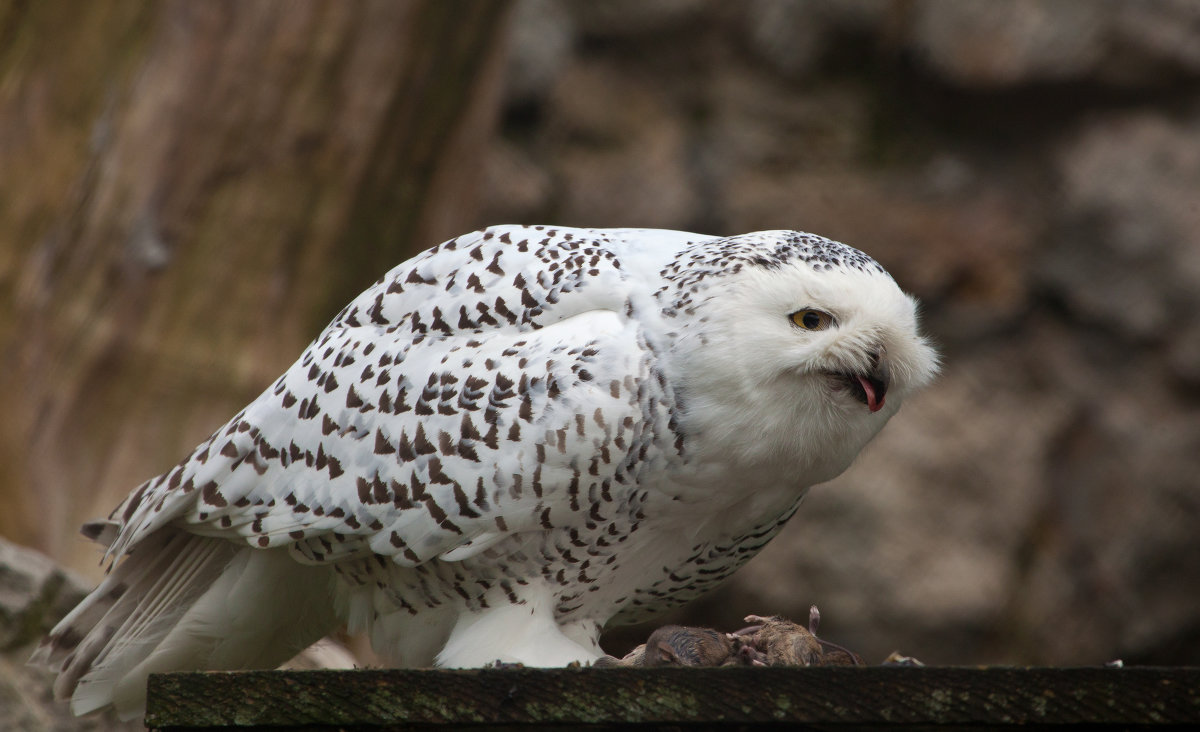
(739, 697)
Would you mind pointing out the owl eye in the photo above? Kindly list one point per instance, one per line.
(810, 319)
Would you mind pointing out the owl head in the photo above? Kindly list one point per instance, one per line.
(794, 347)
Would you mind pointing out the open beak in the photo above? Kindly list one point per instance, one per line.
(870, 388)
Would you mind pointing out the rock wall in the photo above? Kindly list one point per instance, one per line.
(1031, 171)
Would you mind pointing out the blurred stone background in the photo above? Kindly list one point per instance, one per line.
(178, 220)
(1031, 171)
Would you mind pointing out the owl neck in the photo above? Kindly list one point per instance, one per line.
(776, 438)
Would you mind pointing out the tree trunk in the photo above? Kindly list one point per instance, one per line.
(188, 192)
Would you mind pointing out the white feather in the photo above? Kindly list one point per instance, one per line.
(526, 633)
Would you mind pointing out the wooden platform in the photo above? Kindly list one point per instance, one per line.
(674, 698)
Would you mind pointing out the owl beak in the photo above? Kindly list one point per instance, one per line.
(871, 389)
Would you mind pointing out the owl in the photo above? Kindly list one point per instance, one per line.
(508, 442)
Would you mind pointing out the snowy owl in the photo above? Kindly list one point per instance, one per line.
(506, 443)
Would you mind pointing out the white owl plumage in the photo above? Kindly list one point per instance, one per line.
(507, 442)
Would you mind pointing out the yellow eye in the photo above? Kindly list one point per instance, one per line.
(812, 319)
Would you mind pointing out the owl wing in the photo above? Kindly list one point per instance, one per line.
(476, 391)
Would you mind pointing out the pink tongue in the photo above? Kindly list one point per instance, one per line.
(874, 403)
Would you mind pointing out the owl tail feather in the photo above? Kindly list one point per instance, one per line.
(179, 602)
